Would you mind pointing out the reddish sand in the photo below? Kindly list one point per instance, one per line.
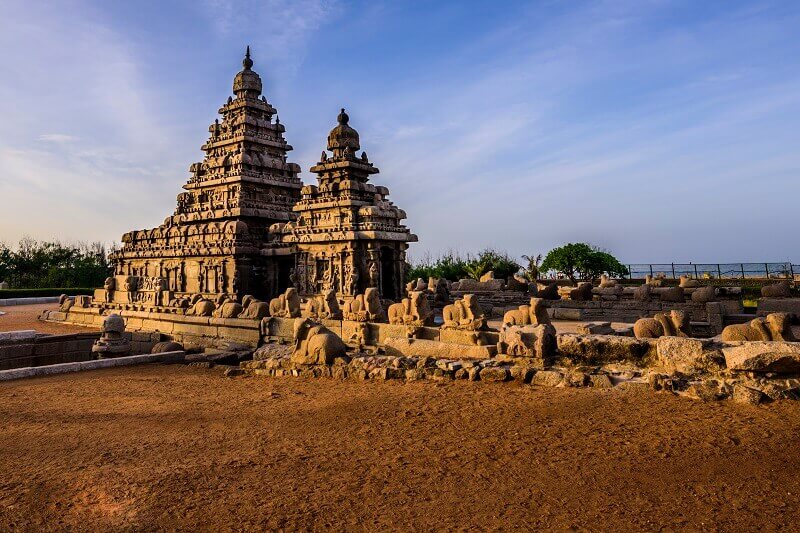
(174, 447)
(27, 317)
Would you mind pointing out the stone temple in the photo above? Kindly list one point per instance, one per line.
(347, 236)
(284, 279)
(246, 225)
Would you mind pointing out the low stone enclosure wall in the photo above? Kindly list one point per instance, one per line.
(706, 369)
(31, 349)
(708, 319)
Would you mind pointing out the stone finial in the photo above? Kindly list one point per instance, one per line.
(343, 139)
(247, 63)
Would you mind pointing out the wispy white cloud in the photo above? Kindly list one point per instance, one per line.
(58, 138)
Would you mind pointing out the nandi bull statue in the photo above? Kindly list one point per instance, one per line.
(464, 314)
(412, 311)
(314, 344)
(674, 324)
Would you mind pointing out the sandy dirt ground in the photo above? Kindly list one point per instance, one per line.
(175, 447)
(26, 317)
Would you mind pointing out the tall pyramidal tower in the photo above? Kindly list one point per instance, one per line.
(213, 242)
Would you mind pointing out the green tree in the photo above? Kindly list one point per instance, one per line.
(37, 264)
(582, 261)
(531, 271)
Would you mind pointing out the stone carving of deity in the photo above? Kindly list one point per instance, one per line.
(373, 274)
(351, 278)
(235, 283)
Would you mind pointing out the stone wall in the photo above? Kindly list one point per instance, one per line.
(188, 330)
(40, 350)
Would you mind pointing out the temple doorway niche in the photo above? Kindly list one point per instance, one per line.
(285, 265)
(388, 282)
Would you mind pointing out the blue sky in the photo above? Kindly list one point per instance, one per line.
(659, 130)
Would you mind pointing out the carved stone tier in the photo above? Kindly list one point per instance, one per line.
(347, 236)
(212, 242)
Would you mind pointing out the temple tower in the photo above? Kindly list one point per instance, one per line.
(348, 235)
(212, 243)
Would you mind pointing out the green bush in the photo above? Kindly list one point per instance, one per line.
(37, 293)
(35, 264)
(454, 267)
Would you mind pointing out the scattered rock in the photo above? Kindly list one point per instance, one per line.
(599, 349)
(634, 386)
(764, 356)
(600, 381)
(497, 373)
(706, 391)
(687, 355)
(746, 395)
(547, 378)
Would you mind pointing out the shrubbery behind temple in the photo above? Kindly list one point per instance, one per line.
(38, 264)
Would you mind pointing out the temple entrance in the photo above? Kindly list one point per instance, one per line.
(388, 282)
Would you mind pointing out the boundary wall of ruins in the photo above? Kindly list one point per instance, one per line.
(41, 349)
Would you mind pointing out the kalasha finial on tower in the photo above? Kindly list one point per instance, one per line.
(343, 118)
(247, 63)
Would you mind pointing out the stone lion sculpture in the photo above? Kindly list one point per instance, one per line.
(674, 324)
(324, 306)
(365, 307)
(464, 313)
(286, 305)
(773, 327)
(533, 314)
(781, 289)
(413, 310)
(314, 344)
(253, 308)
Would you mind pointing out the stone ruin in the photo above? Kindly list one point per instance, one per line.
(313, 279)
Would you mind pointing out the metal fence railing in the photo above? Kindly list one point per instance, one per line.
(785, 270)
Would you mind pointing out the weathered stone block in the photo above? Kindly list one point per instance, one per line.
(600, 349)
(547, 378)
(746, 395)
(494, 373)
(600, 381)
(687, 355)
(469, 338)
(758, 356)
(426, 348)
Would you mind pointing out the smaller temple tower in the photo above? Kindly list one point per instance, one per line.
(347, 235)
